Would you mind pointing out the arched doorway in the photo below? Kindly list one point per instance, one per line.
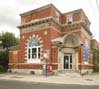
(69, 53)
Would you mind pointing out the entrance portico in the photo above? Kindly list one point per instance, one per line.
(68, 52)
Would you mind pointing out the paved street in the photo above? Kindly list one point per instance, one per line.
(5, 84)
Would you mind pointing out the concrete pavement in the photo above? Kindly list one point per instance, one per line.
(67, 78)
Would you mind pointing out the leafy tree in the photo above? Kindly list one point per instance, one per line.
(7, 40)
(4, 60)
(96, 60)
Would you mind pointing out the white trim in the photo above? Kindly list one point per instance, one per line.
(27, 40)
(37, 60)
(41, 41)
(41, 49)
(33, 35)
(30, 37)
(25, 55)
(26, 47)
(26, 44)
(53, 28)
(72, 31)
(86, 63)
(34, 61)
(54, 47)
(69, 17)
(26, 58)
(41, 45)
(39, 38)
(59, 39)
(25, 51)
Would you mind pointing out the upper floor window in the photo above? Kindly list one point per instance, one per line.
(69, 19)
(57, 16)
(33, 51)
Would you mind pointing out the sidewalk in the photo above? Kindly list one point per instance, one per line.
(92, 79)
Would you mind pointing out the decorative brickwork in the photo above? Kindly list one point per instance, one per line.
(41, 45)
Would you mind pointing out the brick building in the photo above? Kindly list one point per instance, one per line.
(94, 44)
(47, 36)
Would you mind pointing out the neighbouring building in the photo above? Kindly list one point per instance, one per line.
(95, 50)
(95, 44)
(60, 40)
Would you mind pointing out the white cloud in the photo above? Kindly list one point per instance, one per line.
(10, 10)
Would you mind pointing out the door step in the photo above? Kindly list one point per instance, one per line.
(69, 74)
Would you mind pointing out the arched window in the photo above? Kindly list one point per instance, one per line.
(33, 51)
(86, 47)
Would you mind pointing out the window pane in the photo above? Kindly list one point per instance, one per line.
(70, 58)
(69, 19)
(29, 53)
(34, 42)
(34, 51)
(38, 53)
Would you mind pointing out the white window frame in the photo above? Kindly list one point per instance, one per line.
(69, 19)
(31, 59)
(57, 18)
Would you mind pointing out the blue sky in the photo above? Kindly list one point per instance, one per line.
(10, 10)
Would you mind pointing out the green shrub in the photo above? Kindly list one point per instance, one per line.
(96, 67)
(1, 68)
(85, 73)
(32, 72)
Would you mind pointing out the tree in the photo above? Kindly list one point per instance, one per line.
(4, 60)
(7, 40)
(96, 60)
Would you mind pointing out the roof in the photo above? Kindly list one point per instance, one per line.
(40, 8)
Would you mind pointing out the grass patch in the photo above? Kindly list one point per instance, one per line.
(85, 73)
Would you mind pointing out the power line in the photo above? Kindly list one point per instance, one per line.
(97, 5)
(93, 9)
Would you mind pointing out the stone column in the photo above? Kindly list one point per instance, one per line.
(60, 60)
(76, 59)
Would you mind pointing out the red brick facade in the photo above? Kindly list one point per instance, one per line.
(58, 36)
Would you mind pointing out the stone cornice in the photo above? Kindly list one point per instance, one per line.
(39, 21)
(83, 25)
(80, 23)
(52, 19)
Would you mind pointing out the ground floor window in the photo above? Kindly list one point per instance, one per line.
(33, 51)
(86, 47)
